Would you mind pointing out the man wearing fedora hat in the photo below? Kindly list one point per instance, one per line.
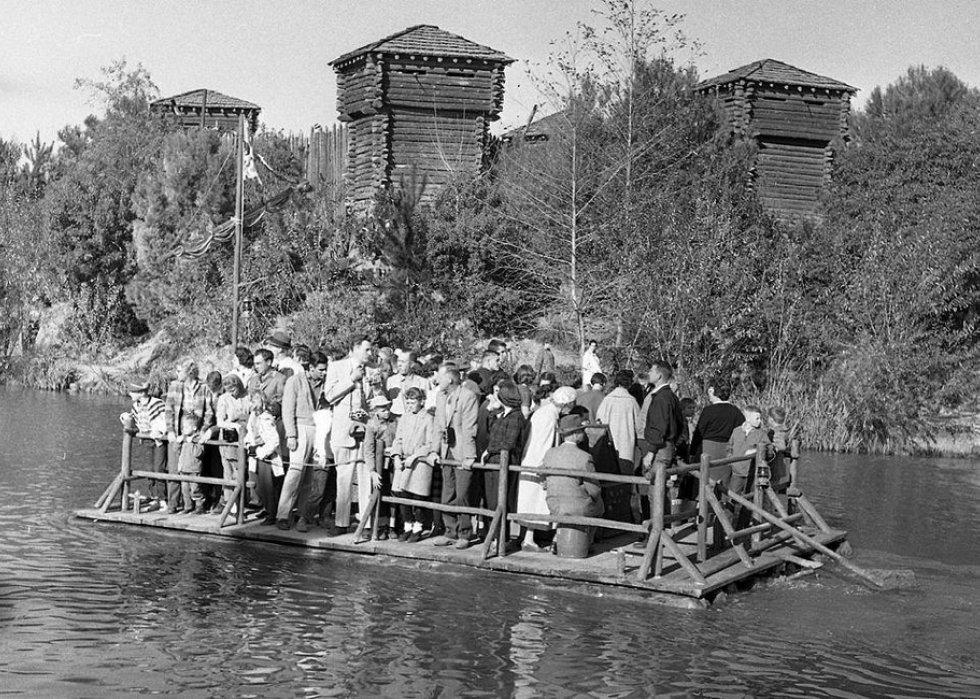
(572, 495)
(147, 416)
(280, 343)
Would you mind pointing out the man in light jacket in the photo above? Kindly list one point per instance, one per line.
(344, 390)
(454, 439)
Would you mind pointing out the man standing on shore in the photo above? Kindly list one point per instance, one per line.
(544, 362)
(590, 363)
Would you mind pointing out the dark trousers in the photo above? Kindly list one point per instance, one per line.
(456, 486)
(173, 487)
(158, 464)
(267, 487)
(664, 455)
(411, 513)
(311, 495)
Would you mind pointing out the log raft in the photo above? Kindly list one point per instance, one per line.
(691, 552)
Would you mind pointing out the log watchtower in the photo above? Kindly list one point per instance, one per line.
(208, 109)
(418, 105)
(794, 117)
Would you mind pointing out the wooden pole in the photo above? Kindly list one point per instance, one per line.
(126, 468)
(807, 507)
(362, 525)
(759, 481)
(502, 503)
(682, 560)
(242, 478)
(239, 224)
(656, 522)
(703, 509)
(492, 532)
(794, 464)
(808, 540)
(376, 514)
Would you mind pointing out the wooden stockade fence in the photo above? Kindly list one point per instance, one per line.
(693, 549)
(323, 153)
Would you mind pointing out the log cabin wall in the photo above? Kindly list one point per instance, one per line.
(418, 106)
(794, 117)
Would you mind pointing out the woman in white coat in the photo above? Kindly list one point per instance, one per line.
(543, 435)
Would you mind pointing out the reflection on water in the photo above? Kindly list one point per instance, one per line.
(96, 610)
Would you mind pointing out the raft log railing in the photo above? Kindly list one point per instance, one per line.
(121, 483)
(661, 530)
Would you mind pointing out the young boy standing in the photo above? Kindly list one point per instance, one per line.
(747, 438)
(190, 462)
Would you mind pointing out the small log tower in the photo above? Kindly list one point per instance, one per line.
(794, 117)
(418, 105)
(208, 109)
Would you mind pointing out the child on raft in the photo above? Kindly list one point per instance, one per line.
(412, 465)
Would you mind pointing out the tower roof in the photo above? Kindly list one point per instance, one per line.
(769, 70)
(426, 40)
(196, 98)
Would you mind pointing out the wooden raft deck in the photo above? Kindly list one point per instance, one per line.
(614, 562)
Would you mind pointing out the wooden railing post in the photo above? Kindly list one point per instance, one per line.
(126, 469)
(760, 481)
(794, 461)
(504, 526)
(242, 478)
(703, 508)
(656, 521)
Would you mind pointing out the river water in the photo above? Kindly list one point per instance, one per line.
(97, 610)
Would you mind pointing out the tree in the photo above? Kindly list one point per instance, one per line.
(90, 201)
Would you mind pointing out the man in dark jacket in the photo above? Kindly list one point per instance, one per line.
(664, 425)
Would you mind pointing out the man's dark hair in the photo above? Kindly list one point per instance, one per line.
(598, 378)
(333, 354)
(302, 354)
(623, 378)
(544, 391)
(244, 357)
(320, 358)
(723, 389)
(265, 354)
(496, 346)
(665, 370)
(523, 375)
(359, 341)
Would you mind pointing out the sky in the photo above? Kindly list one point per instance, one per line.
(276, 53)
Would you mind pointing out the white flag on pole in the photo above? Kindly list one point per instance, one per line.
(248, 159)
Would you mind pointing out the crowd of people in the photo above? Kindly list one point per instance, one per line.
(320, 425)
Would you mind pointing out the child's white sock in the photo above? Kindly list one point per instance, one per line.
(417, 527)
